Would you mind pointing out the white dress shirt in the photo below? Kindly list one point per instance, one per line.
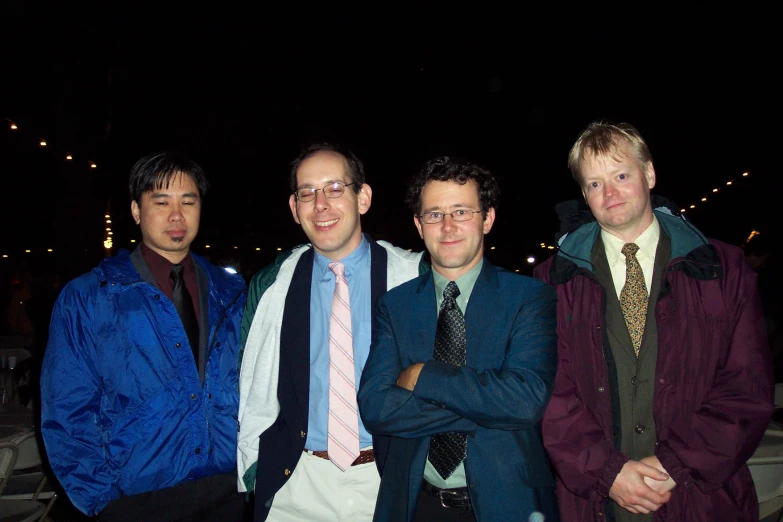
(647, 243)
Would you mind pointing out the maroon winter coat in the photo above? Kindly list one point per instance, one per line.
(713, 380)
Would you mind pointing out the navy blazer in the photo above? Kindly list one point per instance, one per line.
(282, 444)
(497, 398)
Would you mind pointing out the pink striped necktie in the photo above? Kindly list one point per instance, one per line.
(343, 444)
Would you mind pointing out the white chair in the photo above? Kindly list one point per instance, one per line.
(17, 510)
(766, 467)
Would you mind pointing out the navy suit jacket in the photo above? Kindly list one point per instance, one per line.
(281, 445)
(497, 398)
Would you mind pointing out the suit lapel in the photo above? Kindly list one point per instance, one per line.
(423, 321)
(295, 337)
(482, 299)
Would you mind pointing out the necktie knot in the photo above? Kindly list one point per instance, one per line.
(630, 249)
(338, 268)
(176, 273)
(451, 291)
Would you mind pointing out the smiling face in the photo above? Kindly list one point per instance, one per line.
(617, 190)
(454, 247)
(169, 217)
(332, 225)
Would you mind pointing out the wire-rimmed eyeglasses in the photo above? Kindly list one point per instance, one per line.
(332, 190)
(461, 214)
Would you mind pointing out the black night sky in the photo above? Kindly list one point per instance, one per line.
(509, 87)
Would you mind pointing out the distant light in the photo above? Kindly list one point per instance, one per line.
(69, 157)
(5, 255)
(550, 247)
(107, 216)
(42, 143)
(531, 260)
(108, 221)
(107, 244)
(492, 248)
(517, 270)
(27, 251)
(206, 246)
(133, 240)
(258, 249)
(744, 174)
(728, 183)
(693, 206)
(704, 199)
(235, 247)
(409, 250)
(107, 229)
(229, 270)
(753, 233)
(543, 245)
(715, 190)
(279, 249)
(13, 127)
(682, 210)
(110, 233)
(93, 165)
(49, 250)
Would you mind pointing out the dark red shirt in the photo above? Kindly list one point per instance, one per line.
(161, 271)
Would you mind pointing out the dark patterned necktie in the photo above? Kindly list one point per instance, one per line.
(448, 450)
(634, 296)
(184, 305)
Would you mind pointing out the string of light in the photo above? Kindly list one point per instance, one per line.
(44, 143)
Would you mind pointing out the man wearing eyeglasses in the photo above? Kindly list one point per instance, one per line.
(306, 334)
(461, 368)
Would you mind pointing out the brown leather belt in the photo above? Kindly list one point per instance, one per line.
(365, 456)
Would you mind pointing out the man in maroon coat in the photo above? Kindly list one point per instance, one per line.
(664, 384)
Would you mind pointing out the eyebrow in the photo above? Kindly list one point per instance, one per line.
(455, 206)
(160, 195)
(310, 185)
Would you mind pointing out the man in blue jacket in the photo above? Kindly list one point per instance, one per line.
(139, 384)
(461, 368)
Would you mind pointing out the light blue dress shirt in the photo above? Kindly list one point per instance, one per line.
(357, 274)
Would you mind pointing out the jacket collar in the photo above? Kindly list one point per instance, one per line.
(692, 252)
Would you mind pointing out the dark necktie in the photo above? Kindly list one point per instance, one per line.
(448, 450)
(184, 305)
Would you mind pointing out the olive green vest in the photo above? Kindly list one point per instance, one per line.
(635, 377)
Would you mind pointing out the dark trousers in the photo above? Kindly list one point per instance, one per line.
(429, 509)
(210, 499)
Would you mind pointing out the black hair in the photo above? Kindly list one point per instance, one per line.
(156, 171)
(446, 168)
(354, 166)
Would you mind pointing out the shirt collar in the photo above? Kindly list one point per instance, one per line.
(647, 243)
(465, 282)
(352, 261)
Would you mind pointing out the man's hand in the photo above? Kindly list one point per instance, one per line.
(659, 486)
(410, 376)
(631, 493)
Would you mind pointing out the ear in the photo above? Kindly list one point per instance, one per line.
(417, 222)
(649, 174)
(364, 197)
(136, 212)
(489, 219)
(292, 204)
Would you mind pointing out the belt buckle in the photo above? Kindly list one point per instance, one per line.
(457, 497)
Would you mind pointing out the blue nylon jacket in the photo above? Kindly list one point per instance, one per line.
(123, 408)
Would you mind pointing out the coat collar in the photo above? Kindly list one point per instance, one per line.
(691, 251)
(424, 314)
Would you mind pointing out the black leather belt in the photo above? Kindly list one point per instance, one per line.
(449, 498)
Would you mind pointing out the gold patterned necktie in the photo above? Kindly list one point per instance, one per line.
(634, 296)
